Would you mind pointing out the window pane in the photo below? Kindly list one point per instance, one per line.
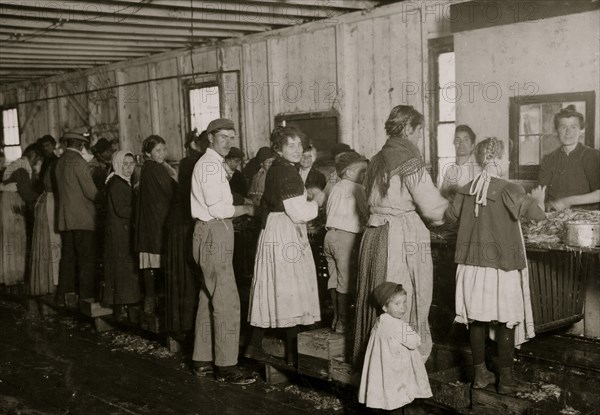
(204, 106)
(445, 140)
(446, 69)
(10, 124)
(447, 103)
(12, 153)
(550, 142)
(530, 119)
(529, 150)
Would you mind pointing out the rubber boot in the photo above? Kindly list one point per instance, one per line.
(334, 301)
(508, 385)
(342, 300)
(483, 376)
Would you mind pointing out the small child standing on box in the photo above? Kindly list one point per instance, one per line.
(346, 217)
(393, 372)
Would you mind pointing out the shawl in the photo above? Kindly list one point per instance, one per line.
(117, 166)
(21, 163)
(397, 156)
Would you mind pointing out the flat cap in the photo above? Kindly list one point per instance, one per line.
(235, 153)
(102, 145)
(220, 124)
(80, 133)
(345, 160)
(338, 148)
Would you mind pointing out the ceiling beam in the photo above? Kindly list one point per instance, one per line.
(78, 47)
(115, 28)
(147, 14)
(51, 41)
(36, 53)
(51, 64)
(244, 10)
(35, 33)
(331, 4)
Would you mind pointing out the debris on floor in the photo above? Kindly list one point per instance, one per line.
(543, 392)
(138, 344)
(319, 401)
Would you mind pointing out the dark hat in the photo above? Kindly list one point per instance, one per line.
(338, 148)
(263, 154)
(81, 134)
(101, 145)
(235, 153)
(220, 124)
(345, 160)
(384, 291)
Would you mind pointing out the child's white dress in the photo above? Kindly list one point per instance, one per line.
(393, 372)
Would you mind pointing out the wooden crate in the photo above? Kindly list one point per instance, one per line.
(91, 308)
(313, 366)
(321, 343)
(274, 376)
(152, 323)
(342, 371)
(451, 389)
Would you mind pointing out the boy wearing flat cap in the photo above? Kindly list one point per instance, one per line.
(217, 332)
(76, 218)
(346, 219)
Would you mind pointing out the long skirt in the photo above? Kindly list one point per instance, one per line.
(45, 248)
(13, 238)
(284, 289)
(183, 276)
(493, 295)
(372, 272)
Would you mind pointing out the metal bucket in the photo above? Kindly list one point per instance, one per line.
(582, 234)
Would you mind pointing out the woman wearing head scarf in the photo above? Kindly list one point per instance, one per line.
(121, 279)
(396, 244)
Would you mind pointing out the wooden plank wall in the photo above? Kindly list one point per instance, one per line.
(361, 65)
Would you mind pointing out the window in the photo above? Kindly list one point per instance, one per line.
(532, 133)
(321, 128)
(204, 105)
(10, 134)
(442, 105)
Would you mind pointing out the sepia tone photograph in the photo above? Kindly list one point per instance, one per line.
(299, 207)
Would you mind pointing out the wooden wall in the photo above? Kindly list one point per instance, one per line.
(360, 65)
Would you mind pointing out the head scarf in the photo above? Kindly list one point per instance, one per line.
(117, 165)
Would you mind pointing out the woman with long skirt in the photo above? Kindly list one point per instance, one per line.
(121, 278)
(396, 244)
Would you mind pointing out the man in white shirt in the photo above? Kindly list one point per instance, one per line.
(465, 168)
(217, 331)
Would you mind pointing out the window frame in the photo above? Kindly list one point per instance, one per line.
(3, 144)
(191, 84)
(523, 172)
(436, 47)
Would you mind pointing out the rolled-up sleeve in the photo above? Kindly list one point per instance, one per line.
(300, 210)
(215, 188)
(428, 199)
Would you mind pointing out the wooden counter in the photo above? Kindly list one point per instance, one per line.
(564, 284)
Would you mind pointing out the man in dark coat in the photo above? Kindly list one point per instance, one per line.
(76, 218)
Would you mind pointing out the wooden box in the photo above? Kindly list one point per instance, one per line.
(313, 366)
(451, 389)
(151, 323)
(342, 371)
(321, 343)
(91, 308)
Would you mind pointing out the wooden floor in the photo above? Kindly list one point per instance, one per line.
(60, 365)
